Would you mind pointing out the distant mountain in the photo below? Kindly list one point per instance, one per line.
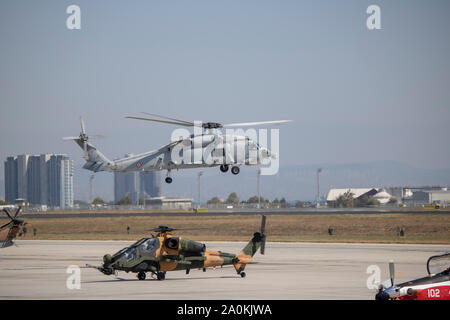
(294, 182)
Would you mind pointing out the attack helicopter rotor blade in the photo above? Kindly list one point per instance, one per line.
(167, 118)
(17, 212)
(159, 229)
(163, 121)
(7, 213)
(263, 228)
(4, 225)
(184, 229)
(250, 124)
(71, 138)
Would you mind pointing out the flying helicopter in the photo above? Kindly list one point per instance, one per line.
(167, 252)
(11, 229)
(207, 148)
(434, 286)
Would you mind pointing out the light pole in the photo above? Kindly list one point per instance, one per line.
(318, 187)
(199, 175)
(90, 188)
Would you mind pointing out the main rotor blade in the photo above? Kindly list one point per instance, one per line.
(176, 229)
(163, 121)
(71, 138)
(259, 123)
(167, 118)
(17, 212)
(5, 225)
(7, 213)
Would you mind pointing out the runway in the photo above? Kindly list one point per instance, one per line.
(37, 270)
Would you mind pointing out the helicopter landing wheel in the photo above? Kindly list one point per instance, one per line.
(242, 274)
(160, 276)
(168, 180)
(141, 275)
(235, 170)
(224, 167)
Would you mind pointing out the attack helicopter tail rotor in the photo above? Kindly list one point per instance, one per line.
(263, 228)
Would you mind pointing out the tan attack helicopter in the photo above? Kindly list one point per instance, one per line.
(167, 252)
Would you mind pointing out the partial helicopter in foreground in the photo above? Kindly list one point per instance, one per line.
(435, 286)
(166, 252)
(206, 149)
(10, 230)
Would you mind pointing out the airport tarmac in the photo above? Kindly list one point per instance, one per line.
(38, 270)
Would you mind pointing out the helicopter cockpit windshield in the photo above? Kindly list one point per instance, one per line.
(144, 247)
(149, 246)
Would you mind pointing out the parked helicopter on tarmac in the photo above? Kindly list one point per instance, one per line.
(184, 153)
(166, 252)
(10, 230)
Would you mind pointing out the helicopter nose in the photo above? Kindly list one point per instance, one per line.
(107, 259)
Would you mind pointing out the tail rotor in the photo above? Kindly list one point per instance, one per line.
(263, 236)
(83, 138)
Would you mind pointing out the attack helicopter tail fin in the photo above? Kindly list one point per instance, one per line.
(245, 256)
(253, 245)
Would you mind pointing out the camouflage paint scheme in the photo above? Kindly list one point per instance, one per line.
(10, 230)
(166, 252)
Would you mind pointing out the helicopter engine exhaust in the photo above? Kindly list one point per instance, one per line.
(192, 246)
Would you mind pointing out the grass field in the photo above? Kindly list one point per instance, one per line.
(364, 228)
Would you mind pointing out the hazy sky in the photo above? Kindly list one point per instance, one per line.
(354, 94)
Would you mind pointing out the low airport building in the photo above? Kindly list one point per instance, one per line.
(169, 203)
(407, 196)
(430, 196)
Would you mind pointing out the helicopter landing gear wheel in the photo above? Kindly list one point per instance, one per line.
(141, 275)
(242, 274)
(235, 170)
(168, 180)
(224, 167)
(160, 276)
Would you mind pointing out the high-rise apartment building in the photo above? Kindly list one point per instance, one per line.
(136, 185)
(45, 179)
